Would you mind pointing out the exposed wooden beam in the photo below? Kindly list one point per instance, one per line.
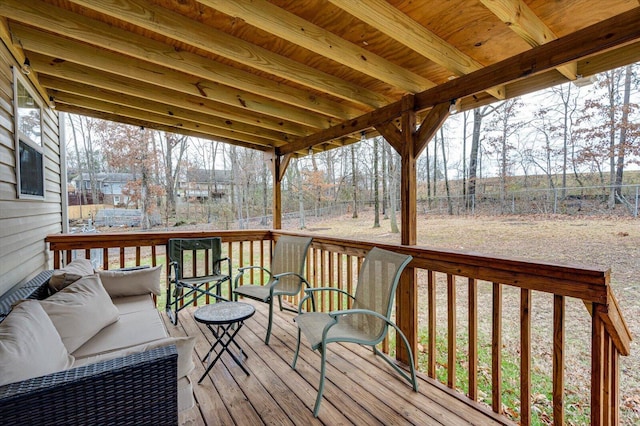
(72, 109)
(395, 24)
(152, 118)
(125, 66)
(188, 31)
(65, 75)
(524, 22)
(56, 20)
(58, 87)
(286, 25)
(608, 34)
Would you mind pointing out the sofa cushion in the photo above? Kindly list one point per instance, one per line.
(184, 346)
(129, 304)
(71, 273)
(132, 329)
(80, 311)
(30, 346)
(132, 283)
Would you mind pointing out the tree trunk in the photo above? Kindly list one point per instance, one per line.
(393, 191)
(385, 191)
(473, 159)
(376, 201)
(624, 126)
(300, 192)
(354, 181)
(446, 178)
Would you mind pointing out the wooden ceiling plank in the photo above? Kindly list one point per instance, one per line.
(72, 25)
(72, 109)
(181, 28)
(100, 79)
(395, 24)
(611, 33)
(126, 111)
(524, 22)
(434, 119)
(115, 63)
(57, 87)
(269, 17)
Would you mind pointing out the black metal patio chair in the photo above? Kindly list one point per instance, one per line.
(197, 271)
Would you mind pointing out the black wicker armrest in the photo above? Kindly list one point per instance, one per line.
(138, 389)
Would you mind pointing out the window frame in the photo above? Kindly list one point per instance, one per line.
(20, 137)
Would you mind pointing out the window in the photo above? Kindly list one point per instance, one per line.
(29, 146)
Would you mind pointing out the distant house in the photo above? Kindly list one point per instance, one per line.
(201, 184)
(110, 186)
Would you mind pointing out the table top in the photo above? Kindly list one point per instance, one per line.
(224, 312)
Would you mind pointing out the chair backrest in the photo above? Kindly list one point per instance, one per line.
(290, 255)
(206, 251)
(377, 282)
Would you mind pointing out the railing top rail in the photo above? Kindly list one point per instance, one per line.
(142, 239)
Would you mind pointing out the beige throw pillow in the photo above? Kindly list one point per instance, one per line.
(30, 346)
(132, 283)
(80, 311)
(71, 273)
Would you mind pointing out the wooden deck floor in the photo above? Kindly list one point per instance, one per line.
(360, 389)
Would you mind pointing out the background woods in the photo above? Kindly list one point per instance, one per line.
(563, 150)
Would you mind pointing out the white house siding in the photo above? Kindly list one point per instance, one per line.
(25, 223)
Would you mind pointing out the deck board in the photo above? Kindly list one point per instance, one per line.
(360, 388)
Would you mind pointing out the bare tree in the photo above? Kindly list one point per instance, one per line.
(376, 201)
(354, 181)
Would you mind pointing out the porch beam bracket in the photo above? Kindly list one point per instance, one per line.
(430, 125)
(391, 134)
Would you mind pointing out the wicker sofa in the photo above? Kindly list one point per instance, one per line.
(124, 374)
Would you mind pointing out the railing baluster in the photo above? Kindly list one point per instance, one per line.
(496, 350)
(431, 301)
(558, 359)
(138, 256)
(349, 278)
(473, 339)
(122, 257)
(251, 260)
(606, 394)
(241, 259)
(332, 282)
(340, 259)
(525, 356)
(597, 367)
(105, 258)
(451, 334)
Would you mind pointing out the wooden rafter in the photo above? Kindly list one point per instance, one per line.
(521, 19)
(397, 25)
(614, 32)
(51, 18)
(288, 26)
(180, 28)
(125, 66)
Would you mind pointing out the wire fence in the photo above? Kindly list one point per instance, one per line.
(586, 200)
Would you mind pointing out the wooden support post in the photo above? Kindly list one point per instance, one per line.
(407, 297)
(278, 165)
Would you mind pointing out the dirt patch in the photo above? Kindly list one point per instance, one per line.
(612, 243)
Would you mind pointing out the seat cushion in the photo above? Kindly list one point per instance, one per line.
(80, 311)
(130, 304)
(71, 273)
(184, 345)
(30, 345)
(258, 292)
(131, 329)
(132, 283)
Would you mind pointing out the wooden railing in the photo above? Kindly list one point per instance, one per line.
(334, 262)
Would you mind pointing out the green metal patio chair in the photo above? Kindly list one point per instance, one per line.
(366, 322)
(285, 276)
(195, 275)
